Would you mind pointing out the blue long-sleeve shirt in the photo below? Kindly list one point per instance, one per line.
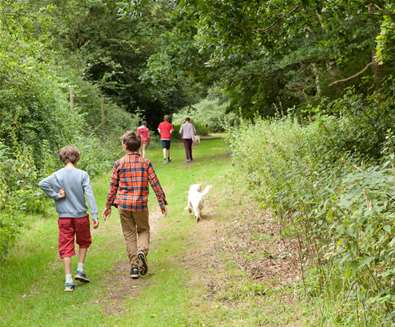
(76, 185)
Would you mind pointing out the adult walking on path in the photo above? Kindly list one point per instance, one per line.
(165, 129)
(144, 134)
(188, 132)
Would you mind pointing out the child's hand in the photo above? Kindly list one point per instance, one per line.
(61, 193)
(106, 213)
(95, 223)
(164, 211)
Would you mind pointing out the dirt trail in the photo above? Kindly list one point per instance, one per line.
(229, 234)
(233, 232)
(123, 287)
(200, 257)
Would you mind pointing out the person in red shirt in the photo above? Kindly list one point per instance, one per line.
(144, 134)
(165, 129)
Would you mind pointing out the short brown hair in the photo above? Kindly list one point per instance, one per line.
(131, 141)
(69, 153)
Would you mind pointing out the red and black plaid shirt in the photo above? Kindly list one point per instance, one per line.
(129, 184)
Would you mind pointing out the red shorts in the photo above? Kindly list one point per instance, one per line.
(70, 228)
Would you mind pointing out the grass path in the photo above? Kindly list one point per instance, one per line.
(192, 280)
(32, 280)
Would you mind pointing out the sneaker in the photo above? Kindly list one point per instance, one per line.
(82, 277)
(134, 273)
(69, 287)
(143, 260)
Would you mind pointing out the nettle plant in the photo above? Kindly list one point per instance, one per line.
(363, 233)
(340, 211)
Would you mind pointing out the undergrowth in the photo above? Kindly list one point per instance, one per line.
(336, 201)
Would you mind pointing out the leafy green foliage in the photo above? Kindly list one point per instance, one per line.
(385, 47)
(270, 56)
(69, 68)
(210, 113)
(339, 208)
(115, 40)
(45, 104)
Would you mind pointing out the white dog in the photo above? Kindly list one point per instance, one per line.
(196, 139)
(195, 199)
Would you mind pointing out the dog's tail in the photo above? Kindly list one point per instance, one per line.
(206, 190)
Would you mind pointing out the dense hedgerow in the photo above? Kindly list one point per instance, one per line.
(37, 118)
(322, 183)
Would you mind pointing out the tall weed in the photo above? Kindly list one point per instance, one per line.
(340, 208)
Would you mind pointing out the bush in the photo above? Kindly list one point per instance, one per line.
(200, 129)
(97, 155)
(36, 120)
(19, 194)
(365, 123)
(319, 184)
(9, 228)
(209, 115)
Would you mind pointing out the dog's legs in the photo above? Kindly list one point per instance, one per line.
(189, 207)
(197, 214)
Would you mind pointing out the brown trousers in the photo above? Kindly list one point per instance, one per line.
(188, 148)
(136, 231)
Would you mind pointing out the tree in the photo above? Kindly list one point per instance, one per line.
(272, 55)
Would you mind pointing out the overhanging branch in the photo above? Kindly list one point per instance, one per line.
(352, 76)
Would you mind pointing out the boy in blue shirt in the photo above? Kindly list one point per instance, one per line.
(68, 187)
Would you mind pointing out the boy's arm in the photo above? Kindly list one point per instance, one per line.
(86, 185)
(113, 186)
(180, 132)
(48, 184)
(154, 181)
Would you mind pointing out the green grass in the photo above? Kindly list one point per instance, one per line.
(32, 278)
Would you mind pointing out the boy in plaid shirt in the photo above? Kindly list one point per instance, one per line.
(129, 193)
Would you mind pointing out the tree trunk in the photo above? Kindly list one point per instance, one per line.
(316, 79)
(375, 66)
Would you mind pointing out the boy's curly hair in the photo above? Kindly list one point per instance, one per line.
(69, 153)
(131, 141)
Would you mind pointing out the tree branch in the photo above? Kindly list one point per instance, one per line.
(352, 76)
(264, 30)
(384, 11)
